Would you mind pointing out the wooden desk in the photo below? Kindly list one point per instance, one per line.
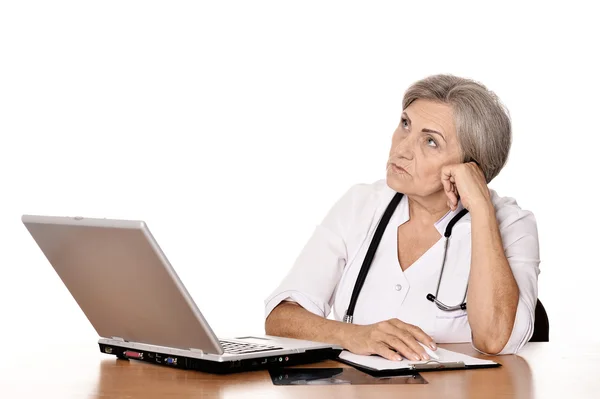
(541, 370)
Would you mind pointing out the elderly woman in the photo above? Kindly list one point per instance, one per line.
(441, 230)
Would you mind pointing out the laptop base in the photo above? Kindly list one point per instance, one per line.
(225, 367)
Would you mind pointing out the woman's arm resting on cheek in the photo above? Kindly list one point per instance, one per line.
(493, 293)
(504, 263)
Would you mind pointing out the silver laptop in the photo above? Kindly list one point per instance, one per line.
(129, 291)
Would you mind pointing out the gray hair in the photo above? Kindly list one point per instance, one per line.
(482, 122)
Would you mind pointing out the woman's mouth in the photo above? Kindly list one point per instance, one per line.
(398, 169)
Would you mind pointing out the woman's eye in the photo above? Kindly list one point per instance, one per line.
(404, 123)
(431, 142)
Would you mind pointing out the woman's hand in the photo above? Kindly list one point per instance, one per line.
(385, 337)
(467, 182)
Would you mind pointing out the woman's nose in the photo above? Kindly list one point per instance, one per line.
(404, 148)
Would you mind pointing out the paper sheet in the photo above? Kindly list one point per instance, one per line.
(380, 363)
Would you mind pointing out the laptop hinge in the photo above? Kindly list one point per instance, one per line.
(118, 339)
(200, 351)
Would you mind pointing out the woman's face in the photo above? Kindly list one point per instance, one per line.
(424, 142)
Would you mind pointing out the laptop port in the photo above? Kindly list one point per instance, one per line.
(171, 360)
(134, 355)
(158, 358)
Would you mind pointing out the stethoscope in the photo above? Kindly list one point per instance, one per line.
(362, 275)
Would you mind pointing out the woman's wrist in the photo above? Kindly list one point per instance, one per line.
(483, 209)
(343, 333)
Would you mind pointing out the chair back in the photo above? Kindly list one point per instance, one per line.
(541, 326)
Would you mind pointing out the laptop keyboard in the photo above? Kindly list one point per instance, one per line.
(244, 347)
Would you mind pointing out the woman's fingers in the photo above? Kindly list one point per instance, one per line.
(451, 192)
(393, 339)
(404, 332)
(447, 185)
(452, 198)
(411, 342)
(404, 347)
(384, 351)
(422, 337)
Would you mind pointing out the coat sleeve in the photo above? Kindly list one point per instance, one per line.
(318, 268)
(521, 247)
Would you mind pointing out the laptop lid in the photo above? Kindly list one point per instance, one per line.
(122, 281)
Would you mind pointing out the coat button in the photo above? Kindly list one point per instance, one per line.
(398, 287)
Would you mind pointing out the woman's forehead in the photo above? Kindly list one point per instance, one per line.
(433, 115)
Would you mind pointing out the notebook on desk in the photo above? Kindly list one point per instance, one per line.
(380, 367)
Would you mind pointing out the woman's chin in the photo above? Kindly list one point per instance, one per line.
(395, 183)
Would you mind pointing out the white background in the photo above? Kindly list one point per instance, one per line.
(231, 128)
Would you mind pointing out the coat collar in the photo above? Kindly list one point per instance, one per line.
(403, 212)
